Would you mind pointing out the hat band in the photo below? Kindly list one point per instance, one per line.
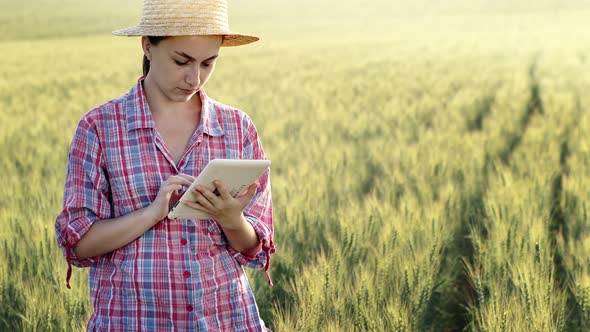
(183, 29)
(208, 23)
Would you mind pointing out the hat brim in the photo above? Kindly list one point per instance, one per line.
(229, 38)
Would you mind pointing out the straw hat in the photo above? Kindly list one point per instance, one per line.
(186, 17)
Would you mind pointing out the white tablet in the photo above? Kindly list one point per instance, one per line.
(236, 174)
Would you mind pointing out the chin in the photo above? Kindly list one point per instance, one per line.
(178, 97)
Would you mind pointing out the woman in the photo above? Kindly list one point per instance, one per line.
(129, 160)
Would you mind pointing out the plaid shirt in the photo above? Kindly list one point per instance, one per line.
(181, 274)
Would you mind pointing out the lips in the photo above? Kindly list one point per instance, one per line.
(187, 91)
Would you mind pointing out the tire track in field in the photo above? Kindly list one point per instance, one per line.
(482, 109)
(559, 226)
(449, 310)
(534, 105)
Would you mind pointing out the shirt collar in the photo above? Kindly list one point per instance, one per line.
(139, 115)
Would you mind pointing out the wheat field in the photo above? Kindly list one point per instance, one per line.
(431, 161)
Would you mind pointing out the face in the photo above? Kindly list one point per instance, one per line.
(181, 65)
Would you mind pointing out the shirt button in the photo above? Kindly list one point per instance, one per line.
(186, 274)
(189, 308)
(183, 241)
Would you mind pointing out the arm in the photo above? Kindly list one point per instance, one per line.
(107, 235)
(228, 212)
(249, 229)
(259, 211)
(85, 228)
(86, 193)
(242, 236)
(244, 221)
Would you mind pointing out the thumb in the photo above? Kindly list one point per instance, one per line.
(173, 190)
(249, 194)
(173, 196)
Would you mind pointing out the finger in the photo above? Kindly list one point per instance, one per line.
(252, 188)
(186, 176)
(170, 189)
(209, 195)
(222, 190)
(197, 206)
(199, 198)
(177, 179)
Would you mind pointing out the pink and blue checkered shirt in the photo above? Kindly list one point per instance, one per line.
(181, 275)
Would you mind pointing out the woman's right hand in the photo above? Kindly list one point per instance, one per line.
(168, 195)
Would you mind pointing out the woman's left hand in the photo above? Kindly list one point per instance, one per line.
(224, 208)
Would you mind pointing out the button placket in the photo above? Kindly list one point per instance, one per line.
(186, 274)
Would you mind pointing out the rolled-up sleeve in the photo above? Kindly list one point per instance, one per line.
(259, 211)
(86, 193)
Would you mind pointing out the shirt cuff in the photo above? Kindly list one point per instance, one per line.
(251, 253)
(74, 232)
(259, 256)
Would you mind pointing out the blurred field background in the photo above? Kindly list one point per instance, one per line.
(431, 159)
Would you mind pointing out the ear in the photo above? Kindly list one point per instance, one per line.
(146, 45)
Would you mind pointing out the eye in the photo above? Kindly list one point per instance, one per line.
(180, 63)
(206, 65)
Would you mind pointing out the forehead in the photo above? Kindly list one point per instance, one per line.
(193, 45)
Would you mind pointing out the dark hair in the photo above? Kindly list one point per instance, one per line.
(154, 40)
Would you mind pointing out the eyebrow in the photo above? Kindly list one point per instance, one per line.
(193, 59)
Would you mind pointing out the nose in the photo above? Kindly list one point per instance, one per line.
(193, 77)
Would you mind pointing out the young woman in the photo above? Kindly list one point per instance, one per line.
(128, 161)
